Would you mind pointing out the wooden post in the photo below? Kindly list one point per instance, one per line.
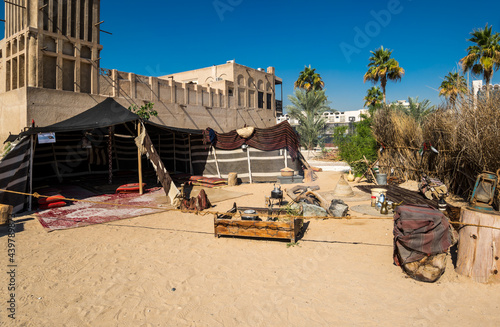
(249, 166)
(110, 156)
(139, 161)
(32, 154)
(216, 162)
(479, 247)
(190, 158)
(175, 159)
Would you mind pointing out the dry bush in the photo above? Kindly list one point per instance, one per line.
(467, 137)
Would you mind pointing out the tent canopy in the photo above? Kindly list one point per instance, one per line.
(105, 114)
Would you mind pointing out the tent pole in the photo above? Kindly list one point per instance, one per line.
(58, 174)
(110, 156)
(216, 161)
(249, 168)
(190, 159)
(286, 158)
(31, 171)
(175, 159)
(139, 161)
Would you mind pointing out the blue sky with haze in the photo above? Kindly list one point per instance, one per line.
(335, 37)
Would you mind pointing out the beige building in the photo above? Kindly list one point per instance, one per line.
(49, 71)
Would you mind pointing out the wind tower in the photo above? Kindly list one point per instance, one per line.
(51, 44)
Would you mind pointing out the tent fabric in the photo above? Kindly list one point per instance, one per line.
(419, 231)
(14, 169)
(276, 137)
(105, 114)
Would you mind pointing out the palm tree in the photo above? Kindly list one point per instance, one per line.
(483, 57)
(419, 110)
(452, 86)
(309, 80)
(307, 108)
(373, 97)
(382, 68)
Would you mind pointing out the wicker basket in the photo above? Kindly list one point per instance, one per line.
(5, 211)
(245, 132)
(287, 172)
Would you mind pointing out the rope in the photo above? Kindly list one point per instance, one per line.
(217, 213)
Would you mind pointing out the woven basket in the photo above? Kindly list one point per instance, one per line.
(287, 172)
(245, 132)
(5, 211)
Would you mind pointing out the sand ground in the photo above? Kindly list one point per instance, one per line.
(167, 269)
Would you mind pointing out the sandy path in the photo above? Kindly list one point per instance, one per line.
(168, 270)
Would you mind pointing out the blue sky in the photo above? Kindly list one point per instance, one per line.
(428, 38)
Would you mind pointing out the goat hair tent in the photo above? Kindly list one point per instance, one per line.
(207, 153)
(98, 141)
(102, 140)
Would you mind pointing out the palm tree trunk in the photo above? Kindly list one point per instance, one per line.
(383, 83)
(487, 79)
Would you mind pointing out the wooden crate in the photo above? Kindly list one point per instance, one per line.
(265, 229)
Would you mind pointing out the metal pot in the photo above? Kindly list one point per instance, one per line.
(277, 193)
(249, 215)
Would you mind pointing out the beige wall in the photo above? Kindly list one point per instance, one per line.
(51, 106)
(206, 75)
(13, 116)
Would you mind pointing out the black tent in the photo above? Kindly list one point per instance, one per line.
(98, 141)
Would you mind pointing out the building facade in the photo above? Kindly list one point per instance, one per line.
(50, 71)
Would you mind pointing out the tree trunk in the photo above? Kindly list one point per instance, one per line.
(383, 84)
(479, 247)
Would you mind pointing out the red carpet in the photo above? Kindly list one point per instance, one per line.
(81, 214)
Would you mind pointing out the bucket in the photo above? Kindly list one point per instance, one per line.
(381, 179)
(376, 193)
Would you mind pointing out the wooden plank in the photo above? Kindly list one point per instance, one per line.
(254, 232)
(256, 224)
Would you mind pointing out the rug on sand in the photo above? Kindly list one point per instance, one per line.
(81, 214)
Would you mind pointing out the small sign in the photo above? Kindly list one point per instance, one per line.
(44, 138)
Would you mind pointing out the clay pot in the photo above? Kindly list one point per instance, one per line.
(350, 176)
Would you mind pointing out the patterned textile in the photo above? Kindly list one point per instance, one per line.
(266, 139)
(14, 169)
(419, 231)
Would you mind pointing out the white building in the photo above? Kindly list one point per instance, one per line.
(337, 118)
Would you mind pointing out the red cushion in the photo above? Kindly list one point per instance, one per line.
(50, 199)
(130, 188)
(52, 205)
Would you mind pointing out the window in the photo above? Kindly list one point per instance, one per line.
(269, 100)
(260, 100)
(352, 118)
